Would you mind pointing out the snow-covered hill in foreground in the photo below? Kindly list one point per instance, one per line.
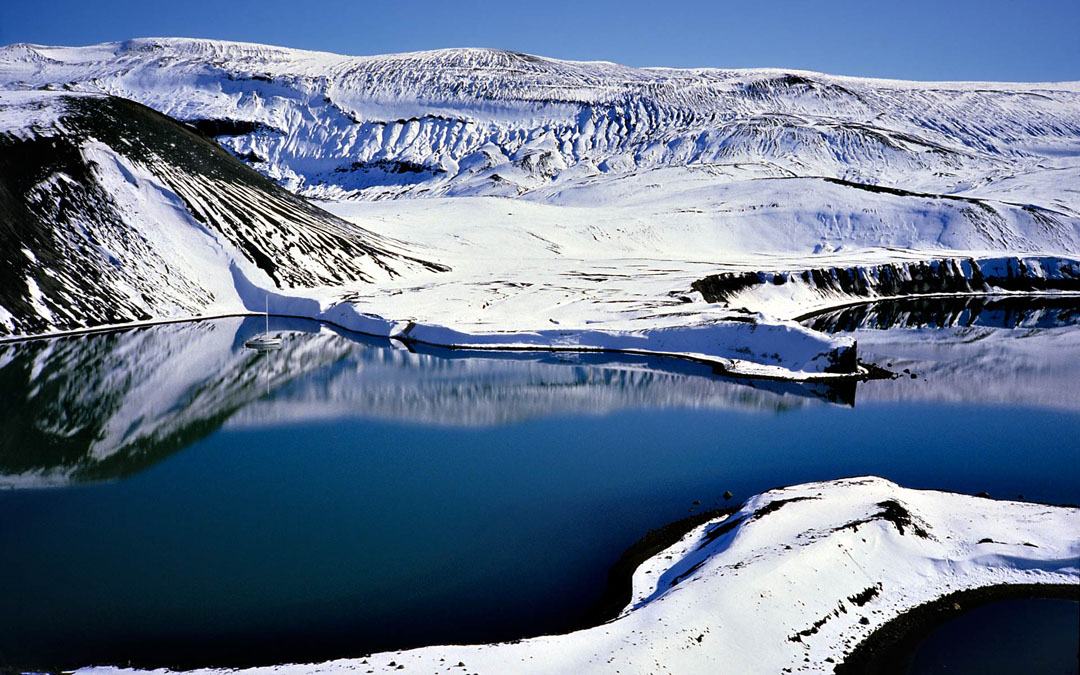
(578, 203)
(791, 582)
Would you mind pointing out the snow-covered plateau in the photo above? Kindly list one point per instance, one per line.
(488, 199)
(791, 582)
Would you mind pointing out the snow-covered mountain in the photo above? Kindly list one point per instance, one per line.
(765, 160)
(488, 121)
(586, 196)
(112, 212)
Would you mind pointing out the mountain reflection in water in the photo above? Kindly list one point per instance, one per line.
(344, 496)
(103, 406)
(1015, 351)
(953, 312)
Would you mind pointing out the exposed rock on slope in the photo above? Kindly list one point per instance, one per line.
(803, 289)
(112, 212)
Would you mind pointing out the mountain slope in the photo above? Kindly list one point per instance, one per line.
(112, 212)
(486, 121)
(708, 153)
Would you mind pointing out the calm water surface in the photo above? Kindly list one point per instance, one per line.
(1003, 638)
(179, 500)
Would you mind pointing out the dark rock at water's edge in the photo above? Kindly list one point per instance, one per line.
(844, 359)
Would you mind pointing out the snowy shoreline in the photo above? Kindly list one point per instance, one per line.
(505, 342)
(795, 580)
(435, 336)
(511, 342)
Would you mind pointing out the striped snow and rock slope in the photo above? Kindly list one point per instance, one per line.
(449, 120)
(114, 213)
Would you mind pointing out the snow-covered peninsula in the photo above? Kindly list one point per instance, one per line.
(791, 582)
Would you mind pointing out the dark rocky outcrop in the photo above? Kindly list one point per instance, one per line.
(918, 277)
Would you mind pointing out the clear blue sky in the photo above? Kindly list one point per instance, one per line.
(917, 39)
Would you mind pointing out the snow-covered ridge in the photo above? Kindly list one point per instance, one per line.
(634, 183)
(483, 121)
(123, 215)
(737, 160)
(792, 582)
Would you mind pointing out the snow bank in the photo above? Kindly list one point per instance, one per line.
(789, 583)
(779, 350)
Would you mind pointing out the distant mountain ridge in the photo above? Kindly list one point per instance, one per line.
(483, 121)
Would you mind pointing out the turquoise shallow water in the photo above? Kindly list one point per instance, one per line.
(213, 506)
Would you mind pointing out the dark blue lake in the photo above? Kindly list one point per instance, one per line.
(177, 499)
(1037, 635)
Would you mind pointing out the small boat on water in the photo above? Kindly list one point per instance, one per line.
(264, 342)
